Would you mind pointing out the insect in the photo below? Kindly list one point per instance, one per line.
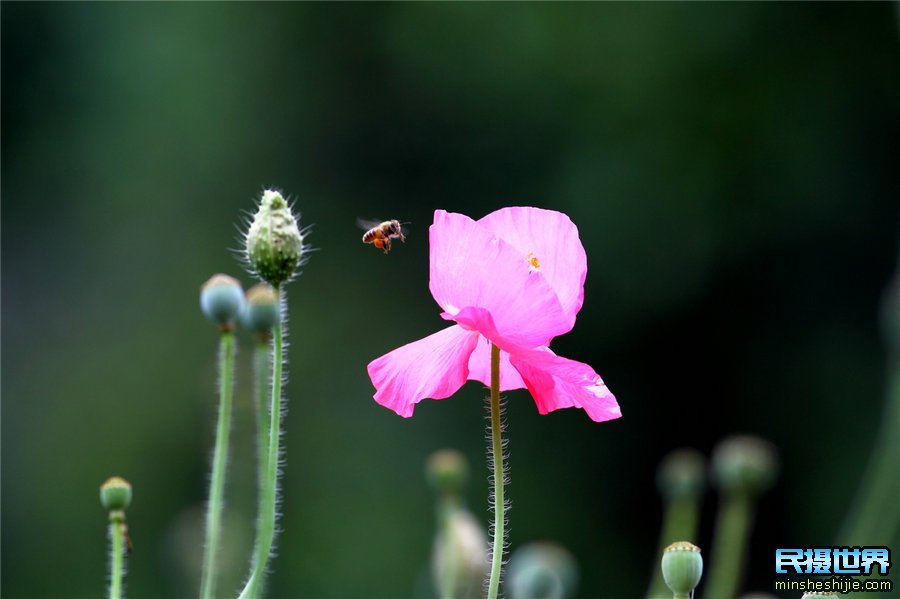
(128, 546)
(381, 233)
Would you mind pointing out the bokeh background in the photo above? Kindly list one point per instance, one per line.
(732, 170)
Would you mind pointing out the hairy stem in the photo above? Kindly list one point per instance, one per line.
(269, 490)
(499, 476)
(220, 464)
(117, 556)
(260, 389)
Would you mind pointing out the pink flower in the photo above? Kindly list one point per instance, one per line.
(515, 278)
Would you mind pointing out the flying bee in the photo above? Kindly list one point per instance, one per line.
(381, 233)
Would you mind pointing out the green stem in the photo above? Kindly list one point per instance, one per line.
(732, 526)
(220, 464)
(449, 567)
(679, 524)
(260, 388)
(873, 517)
(269, 489)
(117, 557)
(499, 475)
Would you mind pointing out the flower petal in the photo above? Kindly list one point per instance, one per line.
(556, 382)
(480, 367)
(435, 367)
(551, 238)
(472, 267)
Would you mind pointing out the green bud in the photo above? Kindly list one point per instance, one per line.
(460, 555)
(115, 494)
(261, 309)
(447, 471)
(682, 473)
(682, 567)
(744, 464)
(542, 570)
(222, 299)
(274, 243)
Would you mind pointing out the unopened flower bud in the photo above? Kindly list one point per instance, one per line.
(274, 241)
(115, 494)
(261, 309)
(222, 299)
(542, 570)
(682, 473)
(447, 471)
(682, 567)
(744, 464)
(460, 555)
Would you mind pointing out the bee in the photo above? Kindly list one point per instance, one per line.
(129, 547)
(380, 234)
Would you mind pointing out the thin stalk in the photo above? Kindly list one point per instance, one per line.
(732, 526)
(269, 494)
(499, 476)
(260, 389)
(220, 464)
(117, 556)
(448, 569)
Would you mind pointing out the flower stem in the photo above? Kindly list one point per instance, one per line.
(679, 522)
(220, 464)
(499, 475)
(269, 489)
(732, 528)
(260, 389)
(117, 555)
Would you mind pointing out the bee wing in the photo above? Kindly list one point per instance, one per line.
(365, 224)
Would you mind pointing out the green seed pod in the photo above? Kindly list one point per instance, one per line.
(274, 243)
(744, 464)
(221, 300)
(682, 567)
(447, 471)
(682, 473)
(115, 494)
(261, 309)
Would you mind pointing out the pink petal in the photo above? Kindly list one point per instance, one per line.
(435, 367)
(480, 367)
(472, 267)
(557, 382)
(552, 239)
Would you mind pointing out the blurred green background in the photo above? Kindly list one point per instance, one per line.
(732, 169)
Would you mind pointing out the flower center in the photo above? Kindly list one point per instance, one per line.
(533, 261)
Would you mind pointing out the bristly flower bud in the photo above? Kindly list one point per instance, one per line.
(222, 299)
(682, 567)
(261, 309)
(274, 242)
(115, 494)
(744, 464)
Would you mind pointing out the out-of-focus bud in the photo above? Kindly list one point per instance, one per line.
(682, 567)
(447, 471)
(744, 464)
(460, 555)
(682, 473)
(542, 570)
(221, 300)
(261, 309)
